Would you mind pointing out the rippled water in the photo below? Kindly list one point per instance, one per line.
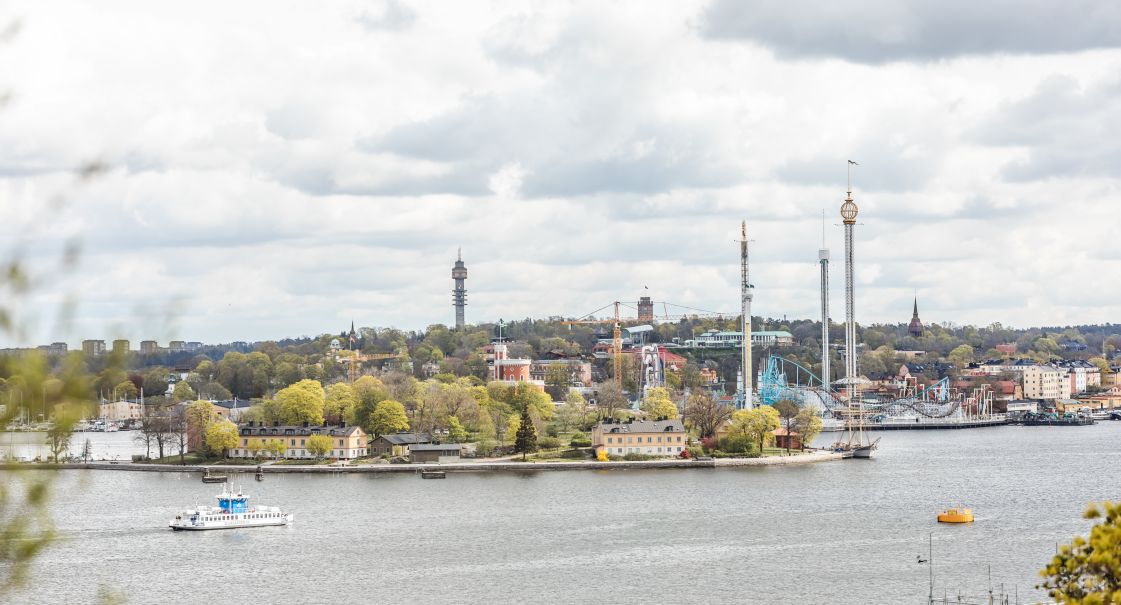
(836, 532)
(118, 445)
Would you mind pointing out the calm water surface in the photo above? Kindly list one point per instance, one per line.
(837, 532)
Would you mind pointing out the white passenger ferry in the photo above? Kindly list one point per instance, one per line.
(233, 511)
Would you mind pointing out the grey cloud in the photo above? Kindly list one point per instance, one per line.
(1067, 129)
(866, 31)
(555, 144)
(884, 166)
(395, 16)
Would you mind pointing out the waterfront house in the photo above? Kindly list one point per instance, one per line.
(435, 452)
(121, 410)
(652, 437)
(347, 442)
(397, 444)
(787, 439)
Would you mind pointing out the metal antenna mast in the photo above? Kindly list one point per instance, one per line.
(823, 259)
(746, 294)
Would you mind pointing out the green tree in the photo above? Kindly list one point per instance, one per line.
(254, 448)
(276, 448)
(756, 423)
(182, 392)
(340, 402)
(369, 392)
(528, 396)
(1101, 364)
(456, 432)
(808, 424)
(126, 390)
(221, 437)
(199, 416)
(525, 440)
(389, 417)
(705, 414)
(1088, 571)
(301, 402)
(787, 412)
(658, 404)
(61, 431)
(319, 446)
(961, 356)
(557, 379)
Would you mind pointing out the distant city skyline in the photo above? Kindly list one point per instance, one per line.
(281, 175)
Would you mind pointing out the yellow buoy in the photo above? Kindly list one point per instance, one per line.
(956, 515)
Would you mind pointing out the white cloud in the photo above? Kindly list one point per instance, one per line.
(281, 176)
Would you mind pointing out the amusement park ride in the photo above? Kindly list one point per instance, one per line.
(905, 404)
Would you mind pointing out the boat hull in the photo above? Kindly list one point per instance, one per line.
(241, 522)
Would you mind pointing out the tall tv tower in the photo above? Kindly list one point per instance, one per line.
(848, 215)
(823, 259)
(746, 293)
(459, 294)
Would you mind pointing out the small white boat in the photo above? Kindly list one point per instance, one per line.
(233, 511)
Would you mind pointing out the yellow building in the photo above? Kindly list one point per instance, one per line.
(651, 437)
(117, 411)
(347, 442)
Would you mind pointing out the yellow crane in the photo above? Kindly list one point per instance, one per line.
(616, 341)
(354, 358)
(617, 335)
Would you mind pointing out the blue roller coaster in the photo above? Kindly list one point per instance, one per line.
(784, 379)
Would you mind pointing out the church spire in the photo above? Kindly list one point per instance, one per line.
(915, 328)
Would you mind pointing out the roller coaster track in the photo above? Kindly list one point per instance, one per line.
(785, 379)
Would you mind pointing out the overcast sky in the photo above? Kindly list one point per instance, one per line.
(278, 169)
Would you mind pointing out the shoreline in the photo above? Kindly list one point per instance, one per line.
(498, 466)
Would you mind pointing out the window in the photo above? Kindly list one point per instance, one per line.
(301, 443)
(630, 439)
(245, 442)
(649, 440)
(293, 443)
(609, 439)
(659, 438)
(340, 442)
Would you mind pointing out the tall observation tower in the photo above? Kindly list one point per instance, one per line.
(459, 294)
(848, 215)
(746, 294)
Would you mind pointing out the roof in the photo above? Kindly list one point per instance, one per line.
(406, 438)
(435, 447)
(643, 426)
(233, 403)
(292, 429)
(776, 333)
(640, 329)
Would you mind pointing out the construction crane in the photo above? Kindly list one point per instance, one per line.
(617, 334)
(616, 341)
(353, 359)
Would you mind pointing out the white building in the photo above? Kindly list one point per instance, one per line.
(714, 339)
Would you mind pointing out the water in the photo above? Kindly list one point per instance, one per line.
(836, 532)
(118, 445)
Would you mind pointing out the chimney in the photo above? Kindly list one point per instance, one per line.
(342, 424)
(305, 424)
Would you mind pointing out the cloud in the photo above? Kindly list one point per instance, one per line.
(283, 177)
(872, 32)
(394, 16)
(1060, 127)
